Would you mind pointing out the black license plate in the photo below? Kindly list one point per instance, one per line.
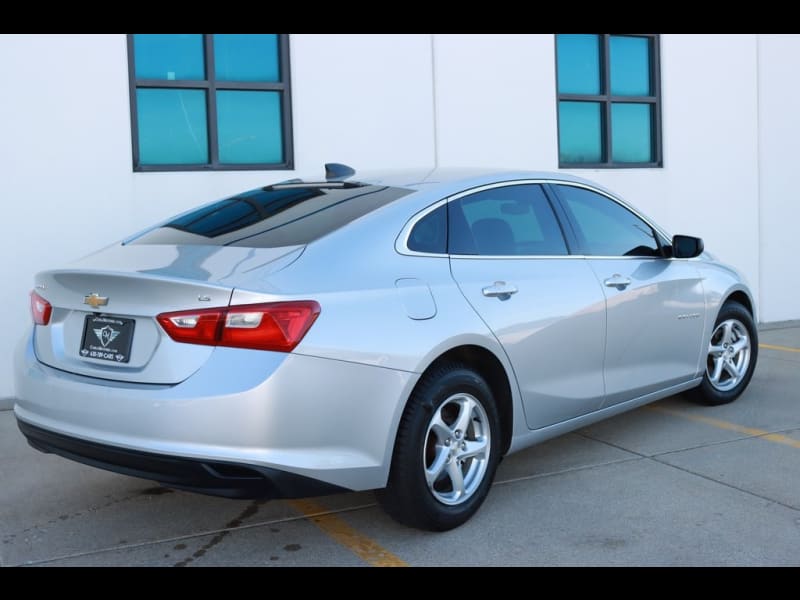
(106, 337)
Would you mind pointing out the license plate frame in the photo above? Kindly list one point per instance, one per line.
(108, 338)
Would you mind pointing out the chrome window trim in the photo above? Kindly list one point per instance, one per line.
(401, 242)
(619, 201)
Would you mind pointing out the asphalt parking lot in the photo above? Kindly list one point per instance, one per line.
(668, 484)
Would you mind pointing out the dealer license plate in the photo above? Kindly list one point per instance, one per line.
(106, 337)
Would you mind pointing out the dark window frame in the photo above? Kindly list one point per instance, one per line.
(211, 85)
(606, 99)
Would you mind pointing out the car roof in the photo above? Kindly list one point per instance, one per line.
(452, 179)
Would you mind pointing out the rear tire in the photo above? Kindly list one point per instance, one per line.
(446, 452)
(731, 357)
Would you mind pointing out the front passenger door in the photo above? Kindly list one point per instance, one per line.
(655, 304)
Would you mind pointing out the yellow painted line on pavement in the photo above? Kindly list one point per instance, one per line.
(720, 424)
(358, 543)
(782, 348)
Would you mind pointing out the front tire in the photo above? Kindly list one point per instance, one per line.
(446, 452)
(731, 358)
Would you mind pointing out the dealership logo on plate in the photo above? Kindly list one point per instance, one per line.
(106, 335)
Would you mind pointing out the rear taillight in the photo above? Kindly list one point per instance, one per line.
(41, 309)
(277, 326)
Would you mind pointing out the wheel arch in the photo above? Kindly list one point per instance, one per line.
(742, 298)
(488, 365)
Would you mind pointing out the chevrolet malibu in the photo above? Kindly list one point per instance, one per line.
(396, 332)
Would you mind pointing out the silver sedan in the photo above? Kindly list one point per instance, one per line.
(399, 332)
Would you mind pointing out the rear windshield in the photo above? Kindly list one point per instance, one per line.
(274, 216)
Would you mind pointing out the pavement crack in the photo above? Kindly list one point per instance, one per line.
(724, 483)
(722, 442)
(655, 458)
(568, 470)
(585, 435)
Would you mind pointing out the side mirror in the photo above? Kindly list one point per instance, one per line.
(686, 246)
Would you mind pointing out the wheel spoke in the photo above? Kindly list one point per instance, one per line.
(733, 370)
(474, 449)
(739, 367)
(464, 418)
(716, 350)
(440, 428)
(456, 478)
(434, 472)
(719, 362)
(739, 345)
(727, 331)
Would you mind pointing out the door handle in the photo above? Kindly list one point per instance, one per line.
(617, 281)
(500, 289)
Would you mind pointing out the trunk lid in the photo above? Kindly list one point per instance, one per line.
(104, 307)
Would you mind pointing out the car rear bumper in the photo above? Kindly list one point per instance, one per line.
(226, 479)
(321, 419)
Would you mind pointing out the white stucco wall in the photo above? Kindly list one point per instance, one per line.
(778, 160)
(729, 129)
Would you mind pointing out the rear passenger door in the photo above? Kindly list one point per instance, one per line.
(510, 259)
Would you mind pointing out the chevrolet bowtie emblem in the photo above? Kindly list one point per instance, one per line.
(95, 300)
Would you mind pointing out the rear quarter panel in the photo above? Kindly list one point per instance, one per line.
(366, 317)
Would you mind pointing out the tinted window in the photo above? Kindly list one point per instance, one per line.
(430, 233)
(514, 220)
(272, 217)
(606, 228)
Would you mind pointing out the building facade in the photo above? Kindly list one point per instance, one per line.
(103, 135)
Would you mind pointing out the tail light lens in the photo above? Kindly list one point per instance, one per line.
(277, 326)
(41, 309)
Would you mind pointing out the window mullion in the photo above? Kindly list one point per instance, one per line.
(286, 97)
(211, 101)
(606, 126)
(655, 74)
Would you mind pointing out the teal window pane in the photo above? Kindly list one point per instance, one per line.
(249, 127)
(578, 63)
(169, 56)
(246, 57)
(172, 126)
(630, 65)
(631, 133)
(579, 132)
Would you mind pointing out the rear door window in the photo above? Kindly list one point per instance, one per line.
(513, 220)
